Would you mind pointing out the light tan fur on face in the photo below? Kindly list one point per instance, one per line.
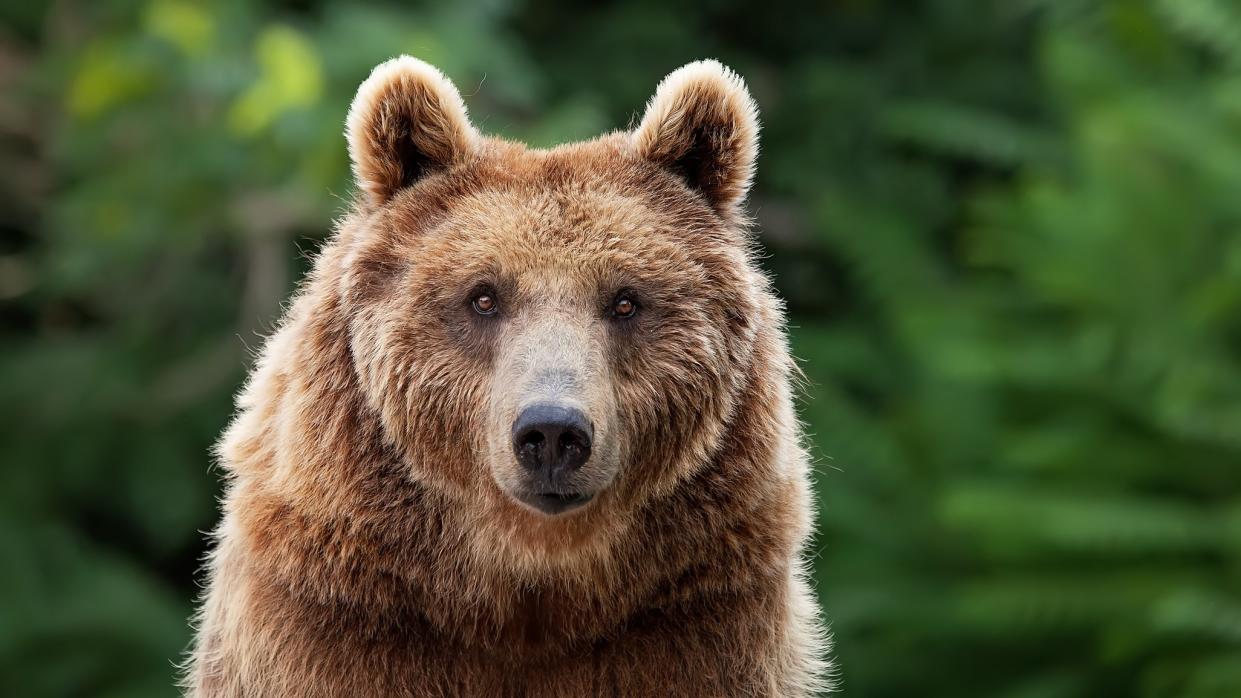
(371, 543)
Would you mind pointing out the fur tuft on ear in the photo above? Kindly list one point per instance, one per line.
(406, 122)
(702, 125)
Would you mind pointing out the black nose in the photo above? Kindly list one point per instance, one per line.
(552, 439)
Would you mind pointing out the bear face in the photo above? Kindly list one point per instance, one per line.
(552, 338)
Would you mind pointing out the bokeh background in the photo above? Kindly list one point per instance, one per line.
(1009, 234)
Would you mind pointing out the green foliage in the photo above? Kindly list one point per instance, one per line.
(1009, 234)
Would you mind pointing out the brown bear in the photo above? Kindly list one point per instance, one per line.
(527, 429)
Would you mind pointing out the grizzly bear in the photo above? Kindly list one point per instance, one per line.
(527, 428)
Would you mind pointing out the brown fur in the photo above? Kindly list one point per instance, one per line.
(369, 545)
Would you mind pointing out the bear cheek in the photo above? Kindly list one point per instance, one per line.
(430, 402)
(668, 406)
(446, 424)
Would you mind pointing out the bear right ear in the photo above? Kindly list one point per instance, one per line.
(406, 122)
(702, 125)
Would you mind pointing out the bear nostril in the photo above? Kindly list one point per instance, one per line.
(532, 439)
(529, 447)
(574, 449)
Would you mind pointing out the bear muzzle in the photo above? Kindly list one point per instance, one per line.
(552, 442)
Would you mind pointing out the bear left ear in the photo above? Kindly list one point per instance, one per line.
(406, 122)
(702, 125)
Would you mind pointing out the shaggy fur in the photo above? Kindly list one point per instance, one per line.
(369, 545)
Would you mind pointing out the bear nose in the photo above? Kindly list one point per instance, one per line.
(552, 439)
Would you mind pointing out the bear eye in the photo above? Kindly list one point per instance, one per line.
(624, 307)
(485, 303)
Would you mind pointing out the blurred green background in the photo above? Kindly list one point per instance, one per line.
(1009, 234)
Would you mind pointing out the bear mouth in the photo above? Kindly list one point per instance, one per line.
(553, 503)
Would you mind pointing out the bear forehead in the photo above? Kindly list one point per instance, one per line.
(584, 207)
(537, 237)
(586, 221)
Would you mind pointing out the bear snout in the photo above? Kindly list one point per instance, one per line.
(552, 442)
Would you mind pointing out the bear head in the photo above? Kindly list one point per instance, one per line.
(552, 338)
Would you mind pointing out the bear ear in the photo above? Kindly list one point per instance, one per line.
(406, 122)
(703, 126)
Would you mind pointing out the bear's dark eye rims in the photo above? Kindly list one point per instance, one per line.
(624, 307)
(485, 302)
